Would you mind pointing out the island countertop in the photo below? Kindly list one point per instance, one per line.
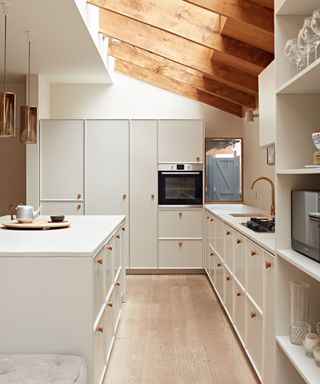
(84, 237)
(224, 211)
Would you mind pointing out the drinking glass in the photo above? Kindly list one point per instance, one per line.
(294, 54)
(315, 25)
(307, 39)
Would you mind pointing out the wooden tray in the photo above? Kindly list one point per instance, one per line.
(36, 224)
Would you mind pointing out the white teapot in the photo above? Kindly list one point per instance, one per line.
(24, 213)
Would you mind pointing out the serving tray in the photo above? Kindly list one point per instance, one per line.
(36, 224)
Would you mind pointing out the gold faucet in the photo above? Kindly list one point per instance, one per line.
(272, 208)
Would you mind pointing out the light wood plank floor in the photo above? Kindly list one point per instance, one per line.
(174, 332)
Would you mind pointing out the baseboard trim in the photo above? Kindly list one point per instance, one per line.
(145, 271)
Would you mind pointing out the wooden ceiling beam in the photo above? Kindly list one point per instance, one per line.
(192, 23)
(265, 3)
(181, 73)
(178, 88)
(174, 48)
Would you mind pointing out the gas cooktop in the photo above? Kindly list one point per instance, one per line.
(261, 224)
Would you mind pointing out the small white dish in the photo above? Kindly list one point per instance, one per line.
(310, 341)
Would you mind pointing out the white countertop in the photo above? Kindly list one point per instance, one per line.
(84, 237)
(223, 211)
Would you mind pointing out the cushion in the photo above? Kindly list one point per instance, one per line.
(42, 369)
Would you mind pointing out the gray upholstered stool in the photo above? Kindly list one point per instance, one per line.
(42, 369)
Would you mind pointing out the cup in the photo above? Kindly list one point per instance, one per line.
(310, 341)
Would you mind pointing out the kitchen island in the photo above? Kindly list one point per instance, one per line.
(61, 289)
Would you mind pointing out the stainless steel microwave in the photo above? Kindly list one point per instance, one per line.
(180, 184)
(306, 223)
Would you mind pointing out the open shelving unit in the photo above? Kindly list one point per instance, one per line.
(297, 116)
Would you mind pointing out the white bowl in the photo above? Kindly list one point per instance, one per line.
(316, 139)
(316, 354)
(310, 341)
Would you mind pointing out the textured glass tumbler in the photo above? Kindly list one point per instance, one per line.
(299, 311)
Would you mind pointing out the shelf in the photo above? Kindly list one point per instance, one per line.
(306, 366)
(308, 266)
(297, 7)
(298, 171)
(305, 82)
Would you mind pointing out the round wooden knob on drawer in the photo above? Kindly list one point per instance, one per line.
(253, 253)
(211, 254)
(124, 196)
(207, 217)
(198, 158)
(100, 329)
(118, 236)
(227, 278)
(211, 219)
(252, 315)
(109, 247)
(267, 264)
(100, 261)
(238, 294)
(228, 233)
(78, 207)
(118, 284)
(123, 229)
(79, 196)
(238, 241)
(180, 215)
(218, 265)
(110, 304)
(180, 244)
(153, 196)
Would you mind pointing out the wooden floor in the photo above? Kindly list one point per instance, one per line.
(174, 332)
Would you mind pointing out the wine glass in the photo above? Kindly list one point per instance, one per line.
(315, 25)
(307, 39)
(294, 54)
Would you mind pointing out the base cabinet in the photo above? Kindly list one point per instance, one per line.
(243, 278)
(180, 254)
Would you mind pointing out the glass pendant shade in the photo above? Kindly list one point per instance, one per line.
(7, 114)
(28, 124)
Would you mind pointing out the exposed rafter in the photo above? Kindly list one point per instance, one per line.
(194, 24)
(174, 48)
(265, 3)
(181, 73)
(179, 88)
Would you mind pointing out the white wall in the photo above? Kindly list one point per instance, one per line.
(255, 165)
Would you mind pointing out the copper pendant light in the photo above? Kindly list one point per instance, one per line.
(7, 99)
(28, 114)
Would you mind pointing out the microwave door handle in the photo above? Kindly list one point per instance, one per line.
(180, 173)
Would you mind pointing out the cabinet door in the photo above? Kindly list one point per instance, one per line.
(228, 254)
(98, 282)
(143, 194)
(107, 159)
(219, 236)
(254, 335)
(211, 230)
(62, 208)
(219, 278)
(180, 223)
(61, 159)
(99, 350)
(212, 264)
(180, 254)
(254, 272)
(180, 141)
(239, 258)
(228, 295)
(239, 311)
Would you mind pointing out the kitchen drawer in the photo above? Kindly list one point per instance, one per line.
(108, 327)
(212, 257)
(62, 207)
(98, 282)
(211, 229)
(239, 314)
(255, 272)
(228, 293)
(219, 229)
(228, 254)
(116, 304)
(180, 223)
(219, 278)
(180, 253)
(100, 352)
(239, 257)
(109, 269)
(254, 335)
(117, 252)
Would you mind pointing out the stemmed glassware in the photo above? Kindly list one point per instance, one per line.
(315, 25)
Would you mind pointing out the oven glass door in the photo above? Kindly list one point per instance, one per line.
(180, 188)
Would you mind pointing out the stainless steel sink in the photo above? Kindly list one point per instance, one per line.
(243, 214)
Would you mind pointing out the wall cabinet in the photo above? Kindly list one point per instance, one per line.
(143, 193)
(242, 275)
(180, 141)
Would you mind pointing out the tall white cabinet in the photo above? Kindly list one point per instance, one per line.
(62, 159)
(143, 193)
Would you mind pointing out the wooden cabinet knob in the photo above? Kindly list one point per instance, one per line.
(198, 158)
(180, 244)
(78, 207)
(228, 233)
(208, 217)
(100, 261)
(100, 329)
(267, 264)
(253, 253)
(109, 247)
(180, 215)
(227, 278)
(211, 220)
(118, 284)
(118, 236)
(79, 196)
(218, 265)
(252, 315)
(238, 241)
(153, 196)
(124, 196)
(110, 304)
(123, 229)
(238, 294)
(211, 254)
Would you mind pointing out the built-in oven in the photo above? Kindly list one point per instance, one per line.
(180, 184)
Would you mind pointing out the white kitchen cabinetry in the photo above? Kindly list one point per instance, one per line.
(143, 194)
(267, 106)
(107, 167)
(242, 274)
(297, 116)
(180, 238)
(180, 141)
(62, 207)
